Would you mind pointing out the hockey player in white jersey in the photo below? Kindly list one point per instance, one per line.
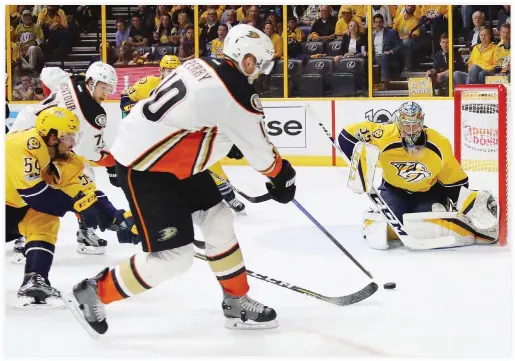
(194, 117)
(82, 95)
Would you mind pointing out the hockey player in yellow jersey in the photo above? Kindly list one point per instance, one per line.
(420, 175)
(45, 180)
(141, 90)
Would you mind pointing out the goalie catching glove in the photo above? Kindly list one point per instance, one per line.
(479, 206)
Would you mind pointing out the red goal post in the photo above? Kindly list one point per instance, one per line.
(481, 141)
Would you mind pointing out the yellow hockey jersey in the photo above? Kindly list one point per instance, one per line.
(139, 91)
(410, 172)
(33, 180)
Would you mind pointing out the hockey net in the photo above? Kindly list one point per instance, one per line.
(481, 141)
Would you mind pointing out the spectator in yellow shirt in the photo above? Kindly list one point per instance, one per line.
(501, 56)
(343, 24)
(404, 25)
(54, 23)
(401, 10)
(294, 31)
(482, 57)
(217, 47)
(359, 11)
(276, 40)
(29, 36)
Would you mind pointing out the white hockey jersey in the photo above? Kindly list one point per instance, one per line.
(73, 95)
(191, 121)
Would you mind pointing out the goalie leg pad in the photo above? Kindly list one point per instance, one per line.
(427, 225)
(375, 230)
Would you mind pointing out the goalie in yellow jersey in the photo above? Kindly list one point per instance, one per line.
(141, 90)
(45, 180)
(422, 182)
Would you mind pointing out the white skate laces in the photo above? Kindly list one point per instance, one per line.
(250, 304)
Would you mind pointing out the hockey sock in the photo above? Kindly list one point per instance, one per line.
(39, 256)
(121, 282)
(230, 271)
(226, 192)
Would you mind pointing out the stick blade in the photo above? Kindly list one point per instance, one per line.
(355, 297)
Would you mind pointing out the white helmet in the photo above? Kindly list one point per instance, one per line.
(244, 39)
(105, 73)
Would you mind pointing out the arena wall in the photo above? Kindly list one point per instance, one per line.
(298, 136)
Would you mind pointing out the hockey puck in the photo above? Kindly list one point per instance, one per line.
(389, 286)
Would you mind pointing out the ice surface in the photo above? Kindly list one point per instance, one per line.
(447, 303)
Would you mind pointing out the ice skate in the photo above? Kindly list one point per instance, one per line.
(89, 242)
(246, 313)
(19, 251)
(86, 306)
(236, 206)
(36, 292)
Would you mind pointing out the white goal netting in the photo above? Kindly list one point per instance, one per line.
(482, 145)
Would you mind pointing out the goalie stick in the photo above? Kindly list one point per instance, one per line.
(346, 300)
(382, 206)
(258, 199)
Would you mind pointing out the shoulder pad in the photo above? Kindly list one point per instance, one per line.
(237, 84)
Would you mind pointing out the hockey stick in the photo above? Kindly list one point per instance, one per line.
(329, 235)
(347, 300)
(258, 199)
(382, 206)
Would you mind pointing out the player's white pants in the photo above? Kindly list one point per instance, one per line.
(217, 227)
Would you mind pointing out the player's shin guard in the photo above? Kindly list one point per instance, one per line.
(143, 271)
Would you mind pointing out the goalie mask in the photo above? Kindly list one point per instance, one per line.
(410, 122)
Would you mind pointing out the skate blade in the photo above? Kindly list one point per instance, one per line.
(27, 303)
(72, 305)
(88, 250)
(237, 324)
(18, 259)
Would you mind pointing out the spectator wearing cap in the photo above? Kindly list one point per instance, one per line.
(343, 23)
(271, 17)
(54, 23)
(323, 28)
(231, 18)
(405, 26)
(29, 37)
(386, 48)
(122, 32)
(277, 40)
(217, 48)
(353, 43)
(359, 11)
(139, 34)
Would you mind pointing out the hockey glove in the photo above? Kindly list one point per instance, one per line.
(84, 205)
(282, 187)
(235, 153)
(111, 171)
(124, 224)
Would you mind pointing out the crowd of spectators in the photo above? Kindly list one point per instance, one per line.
(328, 41)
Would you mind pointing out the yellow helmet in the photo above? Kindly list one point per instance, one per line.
(168, 62)
(57, 120)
